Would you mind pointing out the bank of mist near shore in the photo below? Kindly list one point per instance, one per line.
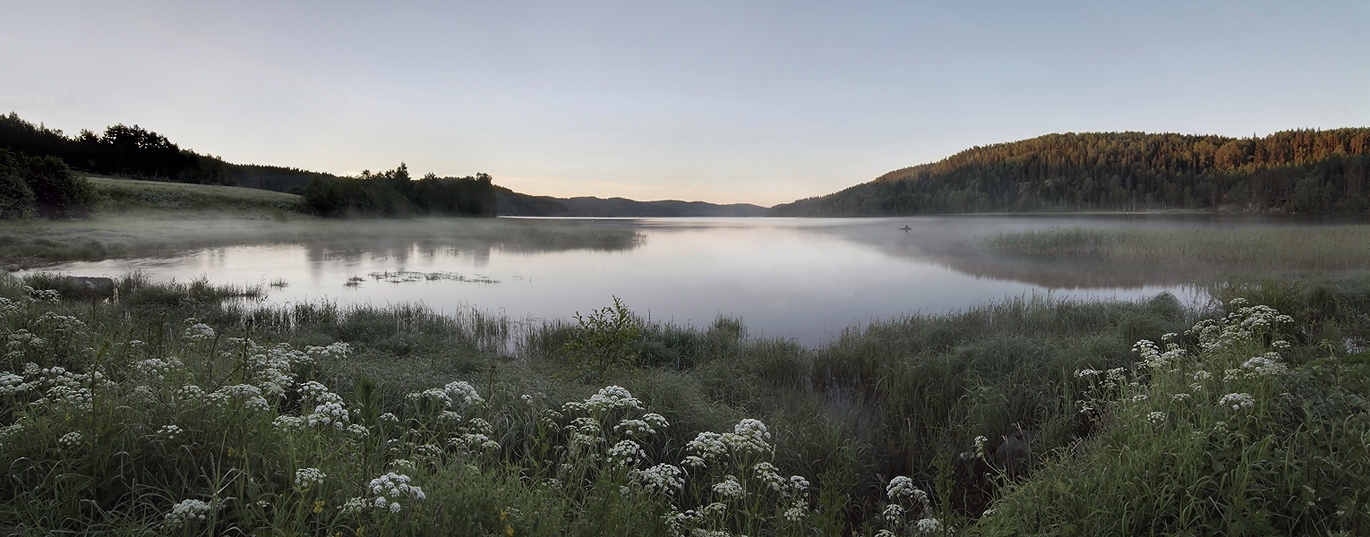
(177, 409)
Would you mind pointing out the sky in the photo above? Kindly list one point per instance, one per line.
(728, 102)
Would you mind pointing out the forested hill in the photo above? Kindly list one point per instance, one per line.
(512, 203)
(1300, 171)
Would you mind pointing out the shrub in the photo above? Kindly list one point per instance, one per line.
(604, 340)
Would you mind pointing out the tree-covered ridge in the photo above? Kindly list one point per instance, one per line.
(1302, 171)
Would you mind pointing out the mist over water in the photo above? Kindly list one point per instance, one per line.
(800, 279)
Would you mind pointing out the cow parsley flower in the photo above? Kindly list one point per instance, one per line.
(308, 477)
(929, 525)
(1156, 418)
(626, 453)
(463, 391)
(170, 432)
(186, 511)
(769, 476)
(662, 478)
(70, 440)
(729, 488)
(1237, 401)
(894, 514)
(199, 332)
(390, 488)
(901, 487)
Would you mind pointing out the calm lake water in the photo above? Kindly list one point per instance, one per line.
(801, 279)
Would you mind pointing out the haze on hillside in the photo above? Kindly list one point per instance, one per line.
(760, 103)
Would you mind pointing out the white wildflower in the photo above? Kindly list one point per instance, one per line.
(901, 487)
(199, 332)
(388, 489)
(186, 511)
(626, 454)
(729, 488)
(894, 514)
(170, 432)
(308, 477)
(1237, 401)
(70, 440)
(662, 478)
(929, 525)
(463, 391)
(769, 475)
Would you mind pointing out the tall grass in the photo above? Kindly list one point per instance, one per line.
(494, 423)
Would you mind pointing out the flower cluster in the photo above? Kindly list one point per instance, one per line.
(608, 399)
(749, 436)
(389, 489)
(662, 478)
(308, 477)
(199, 332)
(188, 511)
(626, 454)
(1243, 324)
(1237, 401)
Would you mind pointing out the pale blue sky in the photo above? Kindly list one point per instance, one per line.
(760, 102)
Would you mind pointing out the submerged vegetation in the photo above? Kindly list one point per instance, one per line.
(178, 410)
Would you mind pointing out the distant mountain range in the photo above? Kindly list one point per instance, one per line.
(510, 203)
(1300, 171)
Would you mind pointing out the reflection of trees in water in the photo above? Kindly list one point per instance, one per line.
(477, 249)
(959, 244)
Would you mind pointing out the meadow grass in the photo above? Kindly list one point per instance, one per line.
(184, 410)
(1264, 252)
(129, 195)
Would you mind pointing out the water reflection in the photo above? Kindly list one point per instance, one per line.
(804, 279)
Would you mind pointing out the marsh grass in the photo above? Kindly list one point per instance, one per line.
(1260, 252)
(903, 397)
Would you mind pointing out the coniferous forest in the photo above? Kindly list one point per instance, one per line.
(1299, 171)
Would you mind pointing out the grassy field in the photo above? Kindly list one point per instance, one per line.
(142, 218)
(114, 196)
(172, 410)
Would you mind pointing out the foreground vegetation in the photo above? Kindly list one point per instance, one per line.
(171, 410)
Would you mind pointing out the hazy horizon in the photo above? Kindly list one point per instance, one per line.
(761, 102)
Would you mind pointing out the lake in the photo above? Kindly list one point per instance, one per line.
(800, 279)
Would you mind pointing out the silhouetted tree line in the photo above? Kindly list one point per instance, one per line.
(139, 153)
(1300, 171)
(41, 185)
(395, 194)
